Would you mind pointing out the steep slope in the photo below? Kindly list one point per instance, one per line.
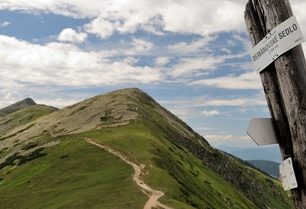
(17, 106)
(177, 160)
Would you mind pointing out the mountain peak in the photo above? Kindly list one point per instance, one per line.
(130, 92)
(17, 106)
(28, 101)
(135, 93)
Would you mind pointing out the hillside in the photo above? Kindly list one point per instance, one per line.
(47, 162)
(23, 116)
(17, 106)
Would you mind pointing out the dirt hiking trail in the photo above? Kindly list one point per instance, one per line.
(153, 195)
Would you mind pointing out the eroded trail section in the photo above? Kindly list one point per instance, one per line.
(153, 195)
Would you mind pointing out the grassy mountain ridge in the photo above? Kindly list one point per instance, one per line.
(244, 178)
(178, 160)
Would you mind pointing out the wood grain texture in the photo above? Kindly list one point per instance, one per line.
(284, 85)
(269, 81)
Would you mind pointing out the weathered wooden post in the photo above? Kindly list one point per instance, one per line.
(284, 83)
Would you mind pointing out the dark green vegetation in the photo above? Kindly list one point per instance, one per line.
(179, 162)
(270, 167)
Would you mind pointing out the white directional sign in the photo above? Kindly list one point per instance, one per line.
(281, 39)
(287, 175)
(261, 130)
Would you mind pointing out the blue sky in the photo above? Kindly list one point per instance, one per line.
(191, 56)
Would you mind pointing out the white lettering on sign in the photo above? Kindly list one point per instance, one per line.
(287, 175)
(282, 38)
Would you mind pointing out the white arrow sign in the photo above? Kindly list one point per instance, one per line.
(282, 38)
(261, 130)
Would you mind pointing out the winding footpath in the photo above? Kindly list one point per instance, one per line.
(153, 195)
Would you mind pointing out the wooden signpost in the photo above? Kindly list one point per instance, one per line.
(284, 83)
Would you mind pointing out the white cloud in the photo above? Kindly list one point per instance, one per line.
(4, 24)
(103, 28)
(298, 7)
(226, 138)
(227, 51)
(140, 45)
(189, 66)
(229, 140)
(253, 100)
(70, 35)
(242, 101)
(162, 61)
(202, 17)
(192, 47)
(182, 113)
(194, 16)
(66, 65)
(250, 80)
(153, 26)
(209, 113)
(58, 102)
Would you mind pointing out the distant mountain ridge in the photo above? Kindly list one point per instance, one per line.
(17, 106)
(269, 167)
(177, 160)
(271, 153)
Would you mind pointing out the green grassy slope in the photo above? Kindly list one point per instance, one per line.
(178, 161)
(73, 174)
(262, 190)
(172, 169)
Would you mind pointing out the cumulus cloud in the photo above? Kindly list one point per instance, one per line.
(70, 35)
(140, 45)
(250, 80)
(101, 27)
(67, 65)
(192, 47)
(162, 61)
(194, 17)
(189, 66)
